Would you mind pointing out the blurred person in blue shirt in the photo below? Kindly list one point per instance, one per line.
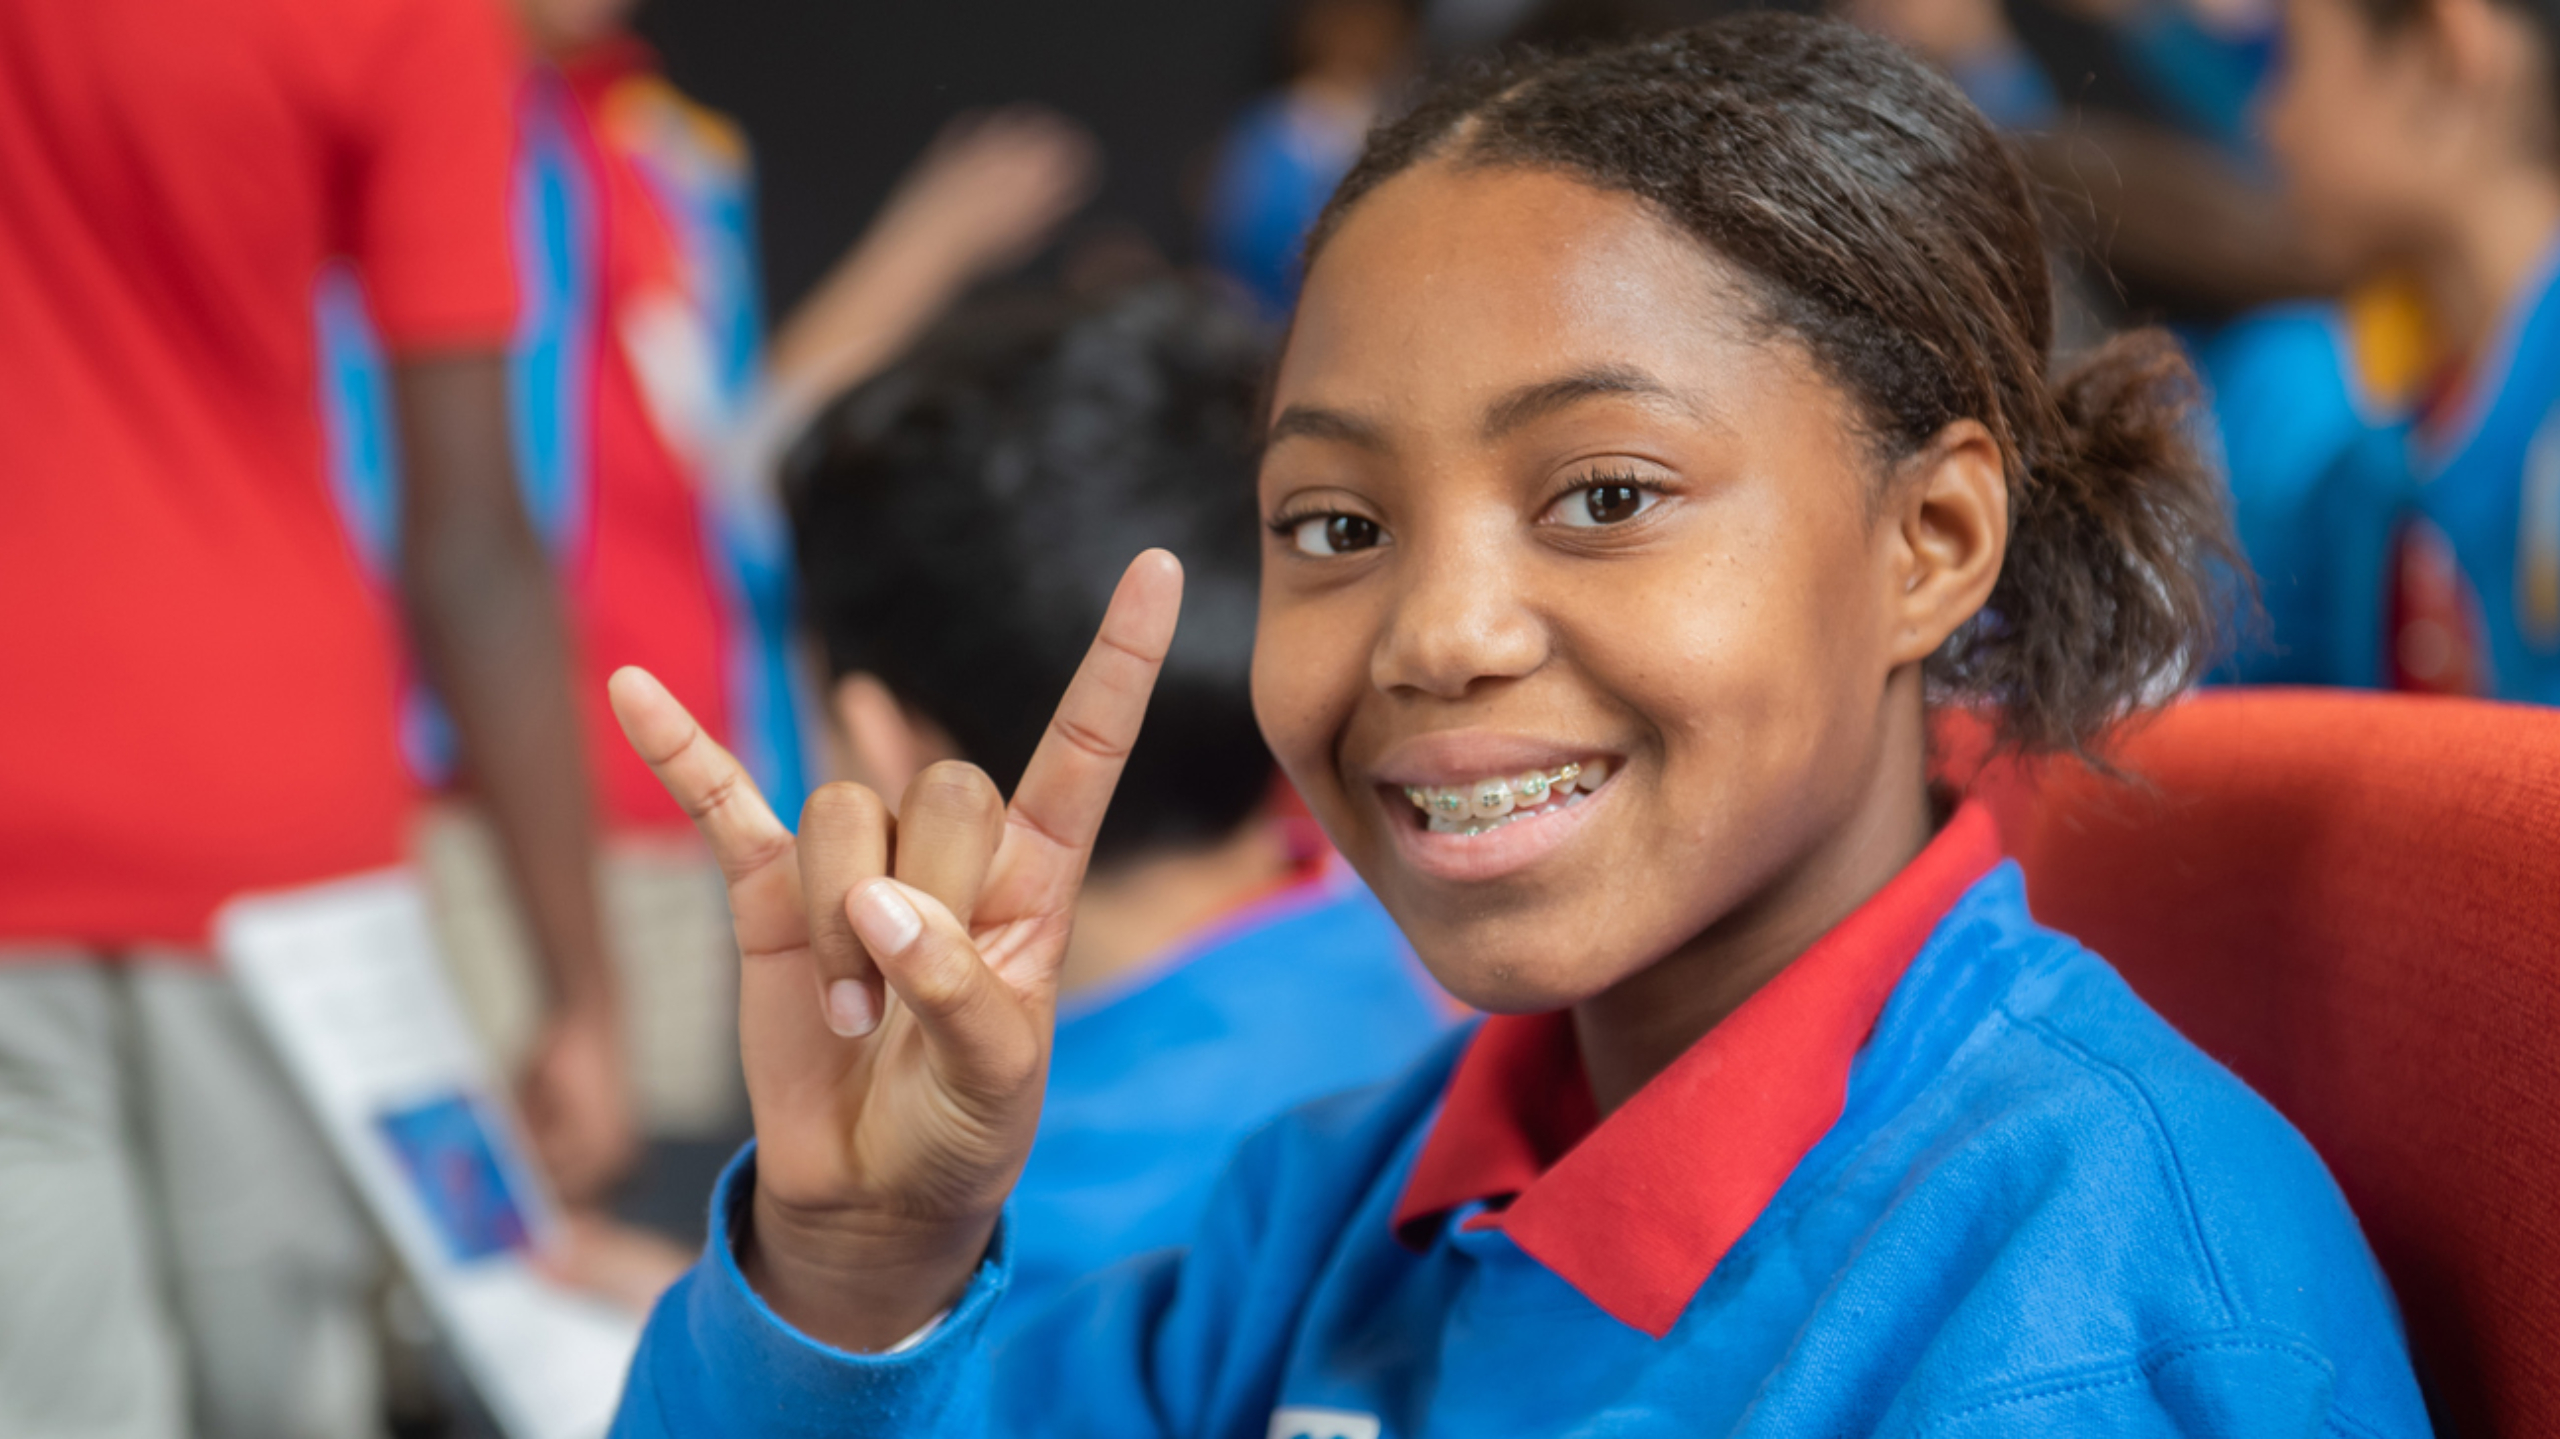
(2414, 139)
(960, 522)
(1280, 162)
(2310, 405)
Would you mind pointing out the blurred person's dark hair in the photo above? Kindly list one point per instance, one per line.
(962, 518)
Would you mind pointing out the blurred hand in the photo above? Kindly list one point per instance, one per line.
(1944, 32)
(622, 1264)
(576, 1101)
(898, 983)
(991, 187)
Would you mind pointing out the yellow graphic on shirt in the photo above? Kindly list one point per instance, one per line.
(2390, 343)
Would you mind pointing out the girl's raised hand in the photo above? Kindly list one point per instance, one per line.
(891, 1124)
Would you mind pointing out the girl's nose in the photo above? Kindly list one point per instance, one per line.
(1461, 619)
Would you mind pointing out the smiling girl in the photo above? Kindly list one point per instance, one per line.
(1659, 433)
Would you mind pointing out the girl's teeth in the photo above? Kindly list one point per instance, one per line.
(1493, 802)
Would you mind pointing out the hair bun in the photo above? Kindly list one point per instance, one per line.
(2114, 595)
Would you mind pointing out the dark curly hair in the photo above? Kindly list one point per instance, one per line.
(962, 518)
(1874, 215)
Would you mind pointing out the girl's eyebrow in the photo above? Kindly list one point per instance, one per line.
(1532, 402)
(1527, 403)
(1317, 423)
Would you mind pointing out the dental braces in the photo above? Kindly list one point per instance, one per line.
(1494, 798)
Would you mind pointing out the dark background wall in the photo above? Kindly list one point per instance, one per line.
(837, 96)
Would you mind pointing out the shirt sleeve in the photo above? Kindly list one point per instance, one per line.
(715, 1360)
(433, 157)
(1130, 1353)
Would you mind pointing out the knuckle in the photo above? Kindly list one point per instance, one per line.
(954, 787)
(1090, 740)
(841, 806)
(1014, 1065)
(938, 978)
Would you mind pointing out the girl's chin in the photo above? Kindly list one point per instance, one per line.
(1504, 980)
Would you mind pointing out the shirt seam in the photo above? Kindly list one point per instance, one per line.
(2110, 1374)
(2124, 1079)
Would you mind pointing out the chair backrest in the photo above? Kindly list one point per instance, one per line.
(2354, 902)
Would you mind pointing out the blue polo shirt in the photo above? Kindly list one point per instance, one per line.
(1944, 1175)
(2478, 579)
(2320, 483)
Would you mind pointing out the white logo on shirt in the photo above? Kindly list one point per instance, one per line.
(1292, 1422)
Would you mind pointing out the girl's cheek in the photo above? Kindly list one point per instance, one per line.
(1296, 672)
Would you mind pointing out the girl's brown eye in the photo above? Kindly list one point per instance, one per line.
(1608, 503)
(1335, 534)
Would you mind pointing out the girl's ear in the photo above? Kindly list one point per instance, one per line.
(886, 744)
(1949, 513)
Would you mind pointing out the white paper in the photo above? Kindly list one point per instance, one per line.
(345, 980)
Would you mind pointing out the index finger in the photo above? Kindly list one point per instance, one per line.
(1067, 786)
(704, 779)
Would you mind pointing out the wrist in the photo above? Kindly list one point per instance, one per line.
(584, 995)
(857, 1280)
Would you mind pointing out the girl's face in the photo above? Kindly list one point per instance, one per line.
(1543, 494)
(2350, 119)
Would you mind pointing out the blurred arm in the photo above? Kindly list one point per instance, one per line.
(2172, 217)
(486, 618)
(984, 195)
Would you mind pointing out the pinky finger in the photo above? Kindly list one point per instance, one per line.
(706, 780)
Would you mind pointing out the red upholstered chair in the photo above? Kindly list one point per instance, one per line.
(2354, 902)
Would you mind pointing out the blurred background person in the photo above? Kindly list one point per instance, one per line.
(1283, 156)
(961, 521)
(2421, 138)
(202, 684)
(648, 407)
(2141, 118)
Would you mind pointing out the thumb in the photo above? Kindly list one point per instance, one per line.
(983, 1040)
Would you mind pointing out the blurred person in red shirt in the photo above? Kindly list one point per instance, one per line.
(201, 682)
(648, 406)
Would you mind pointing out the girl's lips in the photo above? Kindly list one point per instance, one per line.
(1497, 853)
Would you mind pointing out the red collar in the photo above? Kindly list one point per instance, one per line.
(1637, 1210)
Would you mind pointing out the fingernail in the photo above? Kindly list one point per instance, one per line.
(850, 1011)
(884, 919)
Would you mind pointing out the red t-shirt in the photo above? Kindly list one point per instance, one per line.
(196, 684)
(640, 586)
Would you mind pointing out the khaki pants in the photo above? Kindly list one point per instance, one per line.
(666, 918)
(178, 1254)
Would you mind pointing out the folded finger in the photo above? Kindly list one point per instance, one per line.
(844, 843)
(984, 1044)
(949, 824)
